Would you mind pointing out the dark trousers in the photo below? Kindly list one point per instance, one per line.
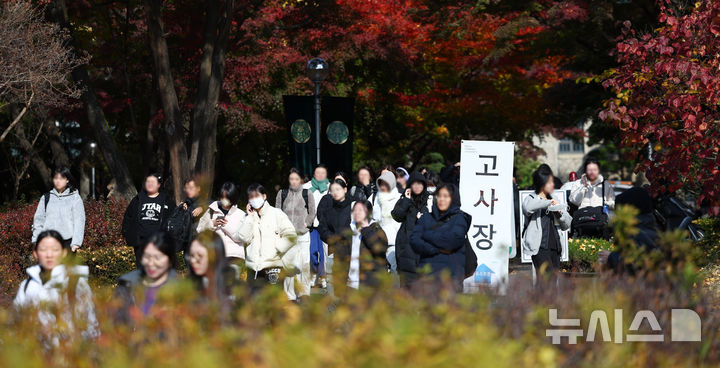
(257, 282)
(549, 258)
(407, 279)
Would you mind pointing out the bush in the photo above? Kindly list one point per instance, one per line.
(15, 248)
(107, 264)
(584, 252)
(102, 230)
(710, 244)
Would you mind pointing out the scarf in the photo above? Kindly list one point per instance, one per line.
(320, 186)
(387, 204)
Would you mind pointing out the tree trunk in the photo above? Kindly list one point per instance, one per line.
(60, 157)
(29, 147)
(212, 71)
(168, 98)
(113, 158)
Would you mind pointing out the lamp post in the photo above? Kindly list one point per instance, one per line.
(93, 147)
(317, 70)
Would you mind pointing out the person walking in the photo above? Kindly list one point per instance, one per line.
(368, 248)
(335, 230)
(210, 271)
(299, 205)
(365, 187)
(61, 209)
(146, 214)
(383, 204)
(59, 293)
(270, 236)
(225, 218)
(139, 290)
(318, 186)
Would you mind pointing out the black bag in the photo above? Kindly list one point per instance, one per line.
(591, 221)
(178, 227)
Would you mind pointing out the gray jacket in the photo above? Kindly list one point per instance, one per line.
(301, 214)
(65, 214)
(532, 206)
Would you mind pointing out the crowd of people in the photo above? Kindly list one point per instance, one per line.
(319, 234)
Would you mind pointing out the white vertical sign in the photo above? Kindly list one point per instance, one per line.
(486, 193)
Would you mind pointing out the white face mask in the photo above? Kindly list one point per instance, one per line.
(431, 190)
(225, 202)
(257, 202)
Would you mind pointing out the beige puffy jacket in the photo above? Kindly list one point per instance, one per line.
(269, 235)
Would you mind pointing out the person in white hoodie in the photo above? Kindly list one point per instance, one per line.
(270, 236)
(383, 203)
(225, 218)
(52, 284)
(61, 210)
(592, 191)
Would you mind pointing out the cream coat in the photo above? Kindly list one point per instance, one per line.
(269, 235)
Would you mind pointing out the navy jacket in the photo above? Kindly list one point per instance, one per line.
(439, 240)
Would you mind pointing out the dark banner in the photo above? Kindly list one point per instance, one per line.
(336, 132)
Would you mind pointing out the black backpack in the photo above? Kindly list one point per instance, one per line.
(179, 227)
(47, 200)
(591, 221)
(284, 195)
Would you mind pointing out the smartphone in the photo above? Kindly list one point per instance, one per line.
(221, 217)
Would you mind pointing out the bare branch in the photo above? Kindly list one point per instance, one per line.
(17, 118)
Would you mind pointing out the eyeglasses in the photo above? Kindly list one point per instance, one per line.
(153, 259)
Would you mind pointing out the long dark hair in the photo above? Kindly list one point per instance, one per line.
(64, 171)
(217, 261)
(162, 242)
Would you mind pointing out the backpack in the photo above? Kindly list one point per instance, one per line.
(47, 200)
(591, 221)
(284, 195)
(178, 227)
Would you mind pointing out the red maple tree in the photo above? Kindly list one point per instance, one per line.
(667, 95)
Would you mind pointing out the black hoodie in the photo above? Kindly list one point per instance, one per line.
(406, 212)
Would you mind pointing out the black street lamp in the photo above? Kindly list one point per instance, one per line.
(317, 70)
(93, 148)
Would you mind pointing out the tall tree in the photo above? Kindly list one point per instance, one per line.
(113, 158)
